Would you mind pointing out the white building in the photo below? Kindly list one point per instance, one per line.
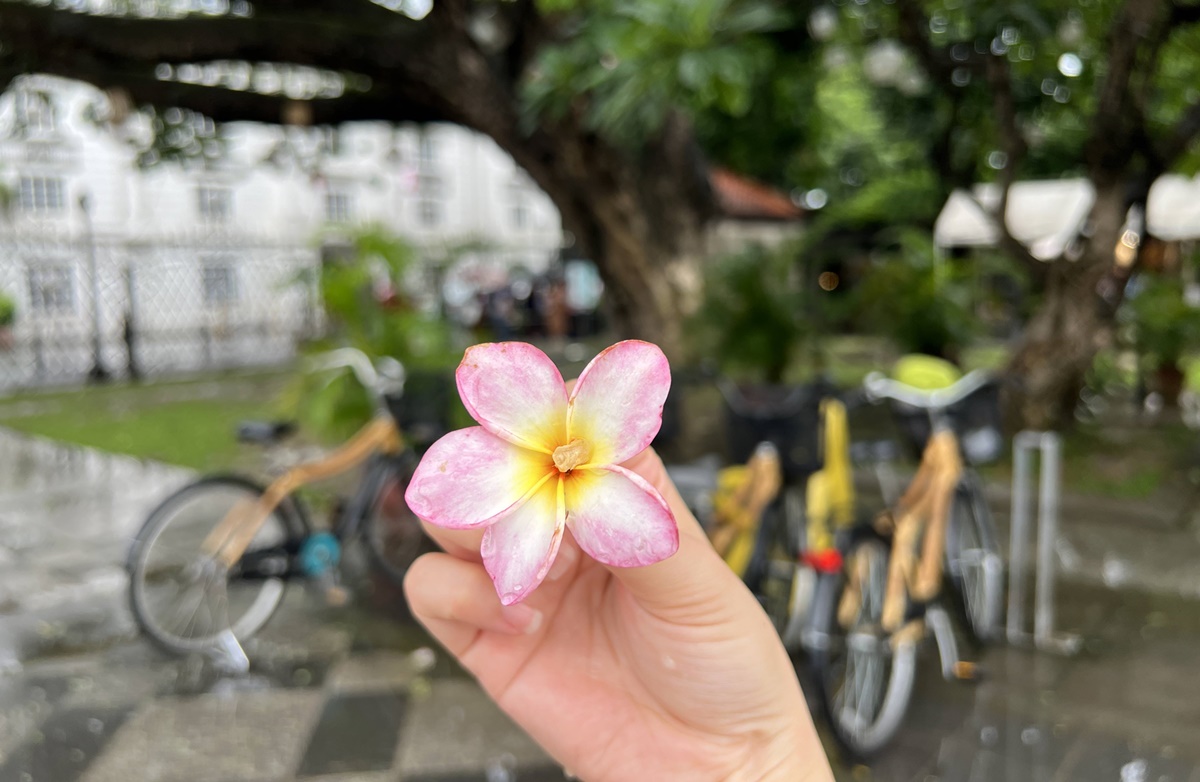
(203, 258)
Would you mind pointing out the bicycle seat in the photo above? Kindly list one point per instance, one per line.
(265, 432)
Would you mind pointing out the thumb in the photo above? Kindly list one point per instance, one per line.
(693, 581)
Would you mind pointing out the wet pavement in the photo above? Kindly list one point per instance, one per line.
(358, 695)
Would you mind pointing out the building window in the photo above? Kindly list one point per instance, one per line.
(51, 290)
(426, 150)
(219, 282)
(40, 194)
(34, 113)
(339, 207)
(215, 204)
(429, 211)
(429, 206)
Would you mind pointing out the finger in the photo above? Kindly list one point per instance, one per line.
(688, 583)
(455, 601)
(460, 543)
(649, 466)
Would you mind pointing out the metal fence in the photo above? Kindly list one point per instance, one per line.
(140, 308)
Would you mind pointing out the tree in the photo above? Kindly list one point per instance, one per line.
(883, 106)
(620, 163)
(1044, 88)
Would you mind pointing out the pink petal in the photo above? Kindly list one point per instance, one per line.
(518, 550)
(618, 518)
(469, 478)
(617, 403)
(515, 391)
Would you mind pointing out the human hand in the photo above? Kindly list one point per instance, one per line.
(669, 671)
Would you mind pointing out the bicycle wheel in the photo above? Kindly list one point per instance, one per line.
(973, 564)
(392, 532)
(778, 578)
(181, 597)
(864, 683)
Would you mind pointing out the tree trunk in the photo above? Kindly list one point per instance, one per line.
(641, 217)
(1074, 320)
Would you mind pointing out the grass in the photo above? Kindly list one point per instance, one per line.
(187, 423)
(191, 423)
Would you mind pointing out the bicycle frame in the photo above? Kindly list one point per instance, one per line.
(919, 520)
(230, 538)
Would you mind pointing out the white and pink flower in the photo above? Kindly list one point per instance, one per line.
(541, 461)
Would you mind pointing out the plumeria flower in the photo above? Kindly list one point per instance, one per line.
(541, 461)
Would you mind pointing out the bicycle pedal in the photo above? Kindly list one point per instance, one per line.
(966, 671)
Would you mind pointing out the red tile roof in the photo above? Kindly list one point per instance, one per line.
(738, 196)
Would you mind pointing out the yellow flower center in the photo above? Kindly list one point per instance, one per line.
(568, 457)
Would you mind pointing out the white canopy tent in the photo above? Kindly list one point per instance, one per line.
(1173, 208)
(1044, 215)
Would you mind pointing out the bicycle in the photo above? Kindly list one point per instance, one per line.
(770, 514)
(210, 565)
(872, 614)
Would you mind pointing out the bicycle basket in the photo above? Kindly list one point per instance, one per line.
(976, 421)
(786, 416)
(423, 411)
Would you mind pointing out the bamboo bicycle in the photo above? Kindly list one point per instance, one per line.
(210, 564)
(772, 517)
(889, 593)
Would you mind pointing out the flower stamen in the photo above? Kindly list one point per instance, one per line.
(568, 457)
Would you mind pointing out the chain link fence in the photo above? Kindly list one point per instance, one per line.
(125, 308)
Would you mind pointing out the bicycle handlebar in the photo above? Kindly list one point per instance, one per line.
(380, 378)
(878, 386)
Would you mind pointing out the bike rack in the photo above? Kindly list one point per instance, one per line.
(1044, 638)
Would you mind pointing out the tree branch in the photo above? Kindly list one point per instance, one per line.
(1184, 13)
(1138, 30)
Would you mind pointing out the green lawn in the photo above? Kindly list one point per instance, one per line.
(186, 423)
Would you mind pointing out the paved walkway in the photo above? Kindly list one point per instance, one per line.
(355, 696)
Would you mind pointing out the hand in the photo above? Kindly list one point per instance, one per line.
(670, 671)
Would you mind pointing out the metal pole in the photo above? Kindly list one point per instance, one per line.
(1019, 547)
(98, 373)
(1043, 614)
(1049, 445)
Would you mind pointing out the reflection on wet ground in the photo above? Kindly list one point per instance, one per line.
(357, 695)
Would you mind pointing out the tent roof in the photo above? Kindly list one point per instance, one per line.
(1173, 208)
(1042, 215)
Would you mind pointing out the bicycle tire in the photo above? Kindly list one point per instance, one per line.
(827, 642)
(974, 568)
(287, 522)
(392, 533)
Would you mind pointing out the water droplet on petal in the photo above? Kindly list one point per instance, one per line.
(668, 662)
(95, 726)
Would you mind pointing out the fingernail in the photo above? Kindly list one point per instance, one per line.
(563, 562)
(522, 617)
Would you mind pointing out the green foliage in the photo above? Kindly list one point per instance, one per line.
(180, 136)
(637, 60)
(919, 301)
(8, 310)
(1165, 325)
(368, 309)
(750, 322)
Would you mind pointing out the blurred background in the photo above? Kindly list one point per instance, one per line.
(199, 199)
